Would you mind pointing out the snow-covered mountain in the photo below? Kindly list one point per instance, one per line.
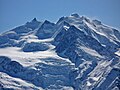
(75, 53)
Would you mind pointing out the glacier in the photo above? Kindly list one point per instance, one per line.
(75, 53)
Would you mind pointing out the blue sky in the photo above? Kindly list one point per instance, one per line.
(17, 12)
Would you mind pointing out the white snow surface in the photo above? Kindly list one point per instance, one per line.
(16, 83)
(118, 52)
(30, 58)
(91, 51)
(54, 70)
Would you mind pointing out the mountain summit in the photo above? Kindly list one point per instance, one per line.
(76, 53)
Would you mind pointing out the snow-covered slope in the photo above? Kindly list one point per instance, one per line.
(76, 53)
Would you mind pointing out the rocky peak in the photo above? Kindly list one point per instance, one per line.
(75, 15)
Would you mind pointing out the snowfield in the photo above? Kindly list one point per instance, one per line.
(16, 83)
(75, 53)
(30, 58)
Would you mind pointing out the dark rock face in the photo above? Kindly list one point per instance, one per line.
(4, 60)
(75, 15)
(80, 54)
(3, 40)
(22, 30)
(69, 45)
(46, 30)
(14, 67)
(9, 38)
(11, 67)
(75, 36)
(29, 26)
(11, 35)
(33, 24)
(33, 46)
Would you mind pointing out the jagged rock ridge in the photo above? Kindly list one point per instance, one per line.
(75, 53)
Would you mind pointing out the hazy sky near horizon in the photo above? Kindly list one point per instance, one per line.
(17, 12)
